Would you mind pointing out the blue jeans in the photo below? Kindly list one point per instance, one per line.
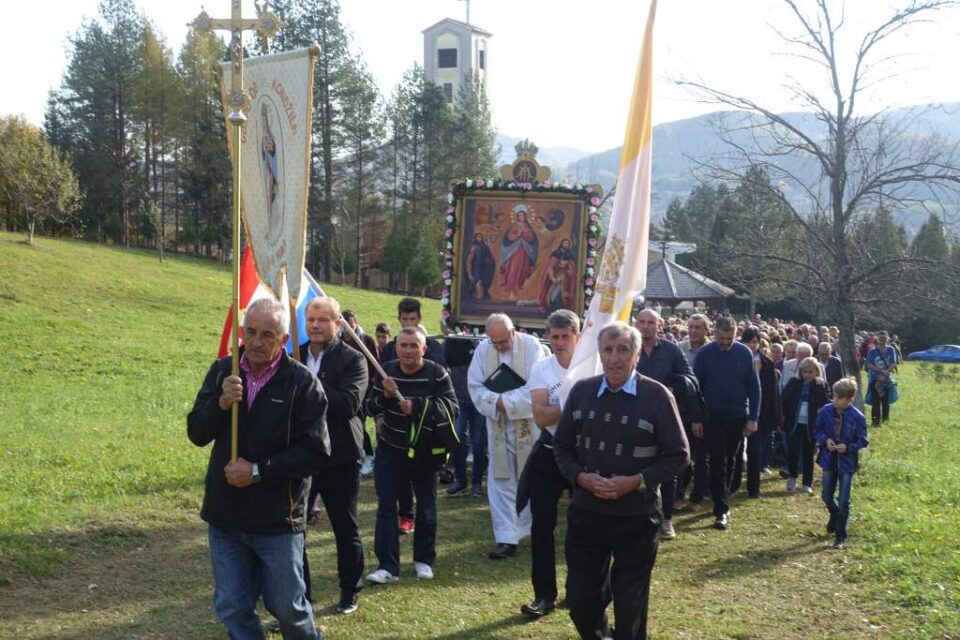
(246, 565)
(390, 472)
(469, 419)
(839, 506)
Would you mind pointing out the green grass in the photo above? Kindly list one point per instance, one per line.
(103, 350)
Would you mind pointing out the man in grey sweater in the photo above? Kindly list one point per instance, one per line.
(619, 437)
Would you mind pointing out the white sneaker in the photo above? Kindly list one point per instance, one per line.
(791, 485)
(667, 532)
(807, 489)
(382, 576)
(424, 571)
(366, 469)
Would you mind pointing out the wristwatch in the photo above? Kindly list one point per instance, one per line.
(256, 473)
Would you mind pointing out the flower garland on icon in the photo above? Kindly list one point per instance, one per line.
(465, 187)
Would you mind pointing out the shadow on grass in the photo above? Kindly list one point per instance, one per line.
(120, 582)
(754, 561)
(489, 629)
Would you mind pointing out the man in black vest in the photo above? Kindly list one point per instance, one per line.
(619, 438)
(343, 373)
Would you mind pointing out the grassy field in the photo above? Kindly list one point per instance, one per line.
(99, 534)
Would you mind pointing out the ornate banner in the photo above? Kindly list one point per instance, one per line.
(275, 163)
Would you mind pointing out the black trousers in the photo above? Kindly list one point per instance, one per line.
(697, 472)
(725, 443)
(755, 457)
(546, 485)
(880, 409)
(596, 540)
(339, 488)
(800, 453)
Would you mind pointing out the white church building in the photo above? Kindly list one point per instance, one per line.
(454, 51)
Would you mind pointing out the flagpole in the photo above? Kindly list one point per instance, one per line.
(376, 365)
(294, 329)
(266, 25)
(236, 119)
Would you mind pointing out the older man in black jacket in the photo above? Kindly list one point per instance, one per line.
(255, 506)
(343, 373)
(664, 362)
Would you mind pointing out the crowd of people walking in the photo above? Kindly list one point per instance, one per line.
(685, 405)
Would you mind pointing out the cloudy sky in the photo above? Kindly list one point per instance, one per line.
(560, 71)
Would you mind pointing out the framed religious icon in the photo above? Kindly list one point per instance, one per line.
(522, 248)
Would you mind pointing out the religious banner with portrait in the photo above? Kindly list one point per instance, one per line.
(522, 245)
(275, 171)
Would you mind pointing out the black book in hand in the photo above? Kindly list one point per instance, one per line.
(503, 379)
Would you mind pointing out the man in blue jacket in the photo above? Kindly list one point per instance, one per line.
(256, 506)
(731, 394)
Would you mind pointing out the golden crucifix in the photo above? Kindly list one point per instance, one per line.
(266, 24)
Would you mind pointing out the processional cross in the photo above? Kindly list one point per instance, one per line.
(266, 24)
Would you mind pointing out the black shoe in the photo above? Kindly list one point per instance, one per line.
(784, 474)
(348, 603)
(722, 522)
(832, 524)
(446, 475)
(477, 491)
(839, 542)
(314, 519)
(456, 489)
(502, 550)
(539, 607)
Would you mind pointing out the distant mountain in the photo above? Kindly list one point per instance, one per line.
(678, 145)
(557, 158)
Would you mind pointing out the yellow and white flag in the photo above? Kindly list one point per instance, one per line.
(623, 267)
(275, 162)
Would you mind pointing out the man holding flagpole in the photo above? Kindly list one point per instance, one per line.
(255, 507)
(623, 270)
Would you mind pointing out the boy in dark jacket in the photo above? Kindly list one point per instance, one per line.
(841, 432)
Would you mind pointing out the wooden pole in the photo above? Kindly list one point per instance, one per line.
(294, 329)
(363, 348)
(236, 119)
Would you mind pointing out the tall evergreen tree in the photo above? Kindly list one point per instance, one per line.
(91, 115)
(201, 157)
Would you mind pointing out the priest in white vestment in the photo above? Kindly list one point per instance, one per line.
(511, 430)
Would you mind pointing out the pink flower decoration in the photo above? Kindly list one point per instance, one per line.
(595, 201)
(546, 184)
(448, 232)
(446, 274)
(446, 293)
(588, 282)
(446, 314)
(592, 242)
(589, 262)
(594, 218)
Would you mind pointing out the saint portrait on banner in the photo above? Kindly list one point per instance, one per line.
(481, 268)
(268, 159)
(558, 280)
(518, 253)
